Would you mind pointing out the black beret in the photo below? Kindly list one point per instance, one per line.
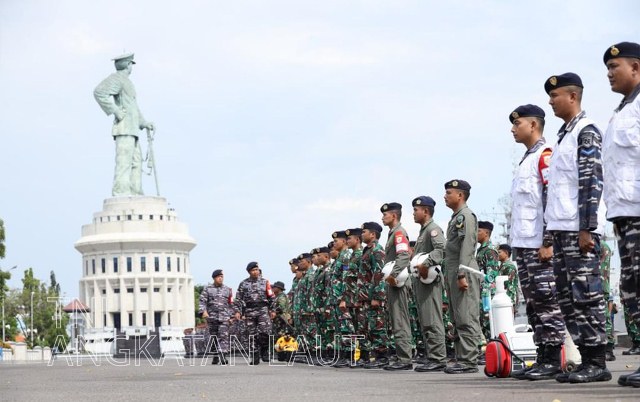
(252, 265)
(278, 284)
(304, 256)
(293, 261)
(505, 247)
(320, 250)
(412, 243)
(526, 111)
(458, 185)
(423, 201)
(373, 226)
(217, 272)
(485, 225)
(330, 245)
(340, 234)
(562, 80)
(391, 206)
(354, 232)
(622, 49)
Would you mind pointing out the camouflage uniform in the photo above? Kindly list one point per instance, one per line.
(509, 270)
(449, 328)
(304, 292)
(188, 341)
(201, 338)
(319, 301)
(217, 301)
(254, 301)
(487, 258)
(417, 342)
(372, 287)
(328, 308)
(350, 296)
(577, 275)
(283, 315)
(605, 271)
(295, 305)
(344, 324)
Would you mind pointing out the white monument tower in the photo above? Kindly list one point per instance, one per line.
(135, 265)
(136, 275)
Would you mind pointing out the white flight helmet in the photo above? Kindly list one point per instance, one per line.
(402, 276)
(434, 271)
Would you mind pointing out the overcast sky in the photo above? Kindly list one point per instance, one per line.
(279, 122)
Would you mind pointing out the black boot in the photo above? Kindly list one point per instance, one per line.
(550, 367)
(380, 360)
(224, 359)
(344, 360)
(364, 358)
(520, 374)
(215, 360)
(264, 353)
(255, 358)
(635, 350)
(595, 368)
(610, 357)
(622, 380)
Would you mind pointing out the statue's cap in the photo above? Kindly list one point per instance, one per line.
(125, 57)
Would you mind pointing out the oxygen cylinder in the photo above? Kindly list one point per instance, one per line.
(501, 309)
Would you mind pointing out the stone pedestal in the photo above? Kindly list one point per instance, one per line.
(135, 266)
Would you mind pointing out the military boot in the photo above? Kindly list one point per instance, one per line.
(595, 368)
(622, 380)
(255, 358)
(380, 360)
(364, 358)
(224, 359)
(520, 374)
(264, 353)
(215, 360)
(344, 360)
(610, 357)
(550, 367)
(635, 350)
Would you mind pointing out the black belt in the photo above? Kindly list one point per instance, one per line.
(256, 304)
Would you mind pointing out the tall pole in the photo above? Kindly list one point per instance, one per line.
(32, 293)
(3, 297)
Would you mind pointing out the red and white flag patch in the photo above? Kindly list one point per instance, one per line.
(402, 243)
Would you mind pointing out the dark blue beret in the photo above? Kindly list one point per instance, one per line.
(330, 245)
(562, 80)
(340, 234)
(304, 256)
(423, 201)
(622, 49)
(485, 225)
(526, 111)
(391, 206)
(373, 226)
(293, 261)
(252, 265)
(217, 272)
(457, 184)
(353, 232)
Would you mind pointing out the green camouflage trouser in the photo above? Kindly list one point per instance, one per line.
(632, 329)
(377, 329)
(416, 334)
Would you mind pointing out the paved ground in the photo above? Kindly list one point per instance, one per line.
(170, 381)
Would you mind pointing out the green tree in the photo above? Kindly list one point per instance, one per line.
(197, 290)
(2, 239)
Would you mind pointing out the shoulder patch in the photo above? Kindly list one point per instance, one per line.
(460, 221)
(434, 233)
(587, 140)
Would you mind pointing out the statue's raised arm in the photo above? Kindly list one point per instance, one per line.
(116, 95)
